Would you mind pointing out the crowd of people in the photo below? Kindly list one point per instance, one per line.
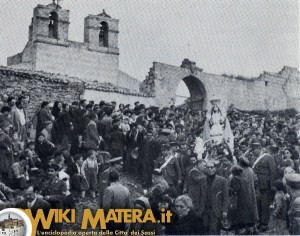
(70, 152)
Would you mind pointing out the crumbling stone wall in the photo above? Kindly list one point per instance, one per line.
(273, 91)
(42, 86)
(38, 87)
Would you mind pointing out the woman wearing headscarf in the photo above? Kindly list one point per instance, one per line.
(57, 107)
(142, 203)
(250, 201)
(238, 192)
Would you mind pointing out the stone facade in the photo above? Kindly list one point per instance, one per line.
(273, 91)
(49, 49)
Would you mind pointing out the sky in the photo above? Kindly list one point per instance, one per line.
(238, 37)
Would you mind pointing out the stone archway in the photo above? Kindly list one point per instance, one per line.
(197, 91)
(163, 80)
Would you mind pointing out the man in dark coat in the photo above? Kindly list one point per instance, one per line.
(213, 200)
(45, 114)
(44, 149)
(133, 138)
(34, 203)
(105, 127)
(169, 166)
(191, 186)
(238, 214)
(116, 196)
(146, 158)
(62, 124)
(6, 156)
(54, 188)
(293, 189)
(265, 168)
(92, 138)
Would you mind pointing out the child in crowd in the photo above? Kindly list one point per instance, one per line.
(89, 170)
(18, 146)
(32, 157)
(124, 126)
(279, 210)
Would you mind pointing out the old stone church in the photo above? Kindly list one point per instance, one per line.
(52, 67)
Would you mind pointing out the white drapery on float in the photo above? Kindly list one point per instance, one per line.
(217, 129)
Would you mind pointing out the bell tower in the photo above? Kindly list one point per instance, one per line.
(50, 21)
(101, 32)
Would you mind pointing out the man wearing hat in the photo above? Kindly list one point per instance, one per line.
(55, 191)
(293, 189)
(169, 166)
(136, 107)
(265, 168)
(106, 125)
(44, 149)
(191, 181)
(116, 196)
(45, 113)
(213, 199)
(55, 186)
(20, 173)
(113, 164)
(146, 158)
(178, 135)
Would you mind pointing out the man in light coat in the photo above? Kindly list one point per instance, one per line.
(19, 120)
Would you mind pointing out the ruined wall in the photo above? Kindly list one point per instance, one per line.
(273, 91)
(163, 80)
(41, 86)
(126, 81)
(38, 87)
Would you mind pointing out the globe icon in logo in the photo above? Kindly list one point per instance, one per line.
(14, 222)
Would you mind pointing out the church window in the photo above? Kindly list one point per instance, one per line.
(103, 35)
(53, 25)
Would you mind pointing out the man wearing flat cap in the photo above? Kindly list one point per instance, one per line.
(55, 189)
(293, 189)
(178, 135)
(169, 165)
(146, 156)
(192, 179)
(265, 168)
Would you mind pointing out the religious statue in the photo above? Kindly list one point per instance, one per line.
(217, 130)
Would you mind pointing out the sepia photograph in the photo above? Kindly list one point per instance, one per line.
(150, 117)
